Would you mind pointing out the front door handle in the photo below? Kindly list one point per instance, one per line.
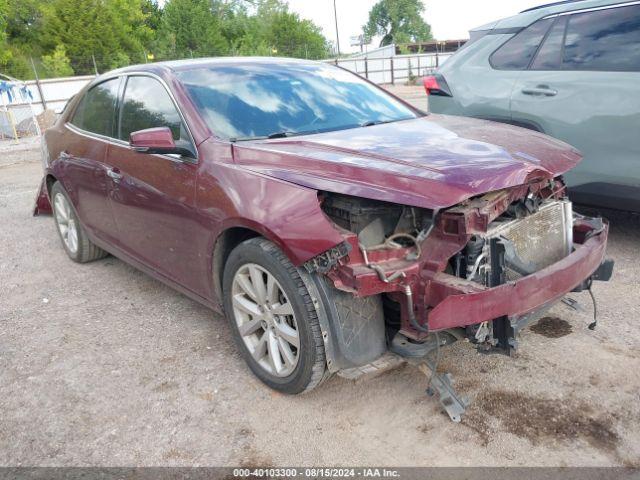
(115, 174)
(540, 90)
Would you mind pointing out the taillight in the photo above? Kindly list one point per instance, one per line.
(436, 85)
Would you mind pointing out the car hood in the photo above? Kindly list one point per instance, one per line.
(432, 162)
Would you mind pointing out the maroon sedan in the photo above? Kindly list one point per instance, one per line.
(331, 221)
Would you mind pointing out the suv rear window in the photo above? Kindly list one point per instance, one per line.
(604, 40)
(96, 111)
(517, 53)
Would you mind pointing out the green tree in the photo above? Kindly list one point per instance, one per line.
(113, 31)
(4, 52)
(12, 61)
(63, 35)
(191, 28)
(398, 21)
(152, 13)
(23, 20)
(57, 64)
(4, 13)
(274, 30)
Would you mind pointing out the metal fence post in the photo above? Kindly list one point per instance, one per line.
(38, 86)
(95, 67)
(418, 65)
(366, 68)
(393, 82)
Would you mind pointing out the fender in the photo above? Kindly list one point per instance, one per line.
(285, 213)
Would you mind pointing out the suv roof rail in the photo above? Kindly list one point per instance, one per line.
(551, 5)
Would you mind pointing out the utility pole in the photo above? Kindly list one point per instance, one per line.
(335, 14)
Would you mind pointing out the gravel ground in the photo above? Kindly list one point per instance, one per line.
(102, 365)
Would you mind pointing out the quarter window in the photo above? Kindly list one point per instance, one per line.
(517, 53)
(96, 111)
(147, 104)
(604, 40)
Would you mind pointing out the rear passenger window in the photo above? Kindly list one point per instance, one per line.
(604, 40)
(96, 111)
(517, 53)
(549, 56)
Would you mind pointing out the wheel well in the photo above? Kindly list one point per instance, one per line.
(50, 181)
(226, 242)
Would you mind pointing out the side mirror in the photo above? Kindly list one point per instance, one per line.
(155, 140)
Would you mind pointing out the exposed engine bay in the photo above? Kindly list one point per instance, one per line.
(441, 275)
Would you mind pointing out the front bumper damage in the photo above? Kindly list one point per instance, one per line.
(462, 303)
(443, 301)
(434, 300)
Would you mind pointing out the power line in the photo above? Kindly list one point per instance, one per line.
(335, 14)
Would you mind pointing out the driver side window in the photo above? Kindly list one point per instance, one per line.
(146, 104)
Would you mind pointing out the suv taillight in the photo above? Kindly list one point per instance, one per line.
(436, 85)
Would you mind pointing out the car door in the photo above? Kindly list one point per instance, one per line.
(583, 87)
(153, 196)
(87, 136)
(481, 76)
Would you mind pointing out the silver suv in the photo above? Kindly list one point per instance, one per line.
(569, 69)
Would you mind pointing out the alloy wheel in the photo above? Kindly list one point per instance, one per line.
(66, 222)
(266, 320)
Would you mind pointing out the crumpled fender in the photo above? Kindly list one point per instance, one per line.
(287, 214)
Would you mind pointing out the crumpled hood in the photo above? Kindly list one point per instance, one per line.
(431, 162)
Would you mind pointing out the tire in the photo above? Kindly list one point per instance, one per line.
(288, 307)
(80, 250)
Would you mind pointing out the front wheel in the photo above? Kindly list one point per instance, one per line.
(273, 317)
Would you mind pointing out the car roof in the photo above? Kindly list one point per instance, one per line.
(527, 17)
(553, 4)
(191, 63)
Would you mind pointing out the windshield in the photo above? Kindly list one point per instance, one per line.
(241, 102)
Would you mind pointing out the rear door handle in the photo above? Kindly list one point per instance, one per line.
(115, 174)
(543, 91)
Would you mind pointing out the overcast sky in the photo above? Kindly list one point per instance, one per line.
(449, 19)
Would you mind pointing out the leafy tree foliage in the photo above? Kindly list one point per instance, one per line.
(113, 31)
(191, 28)
(65, 36)
(57, 64)
(398, 21)
(4, 7)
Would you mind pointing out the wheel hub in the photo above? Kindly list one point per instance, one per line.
(265, 320)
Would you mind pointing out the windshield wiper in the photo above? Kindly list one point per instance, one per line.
(245, 139)
(370, 123)
(283, 134)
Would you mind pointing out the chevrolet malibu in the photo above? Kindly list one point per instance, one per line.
(333, 224)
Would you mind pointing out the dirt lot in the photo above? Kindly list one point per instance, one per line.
(101, 365)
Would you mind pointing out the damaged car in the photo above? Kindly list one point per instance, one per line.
(336, 226)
